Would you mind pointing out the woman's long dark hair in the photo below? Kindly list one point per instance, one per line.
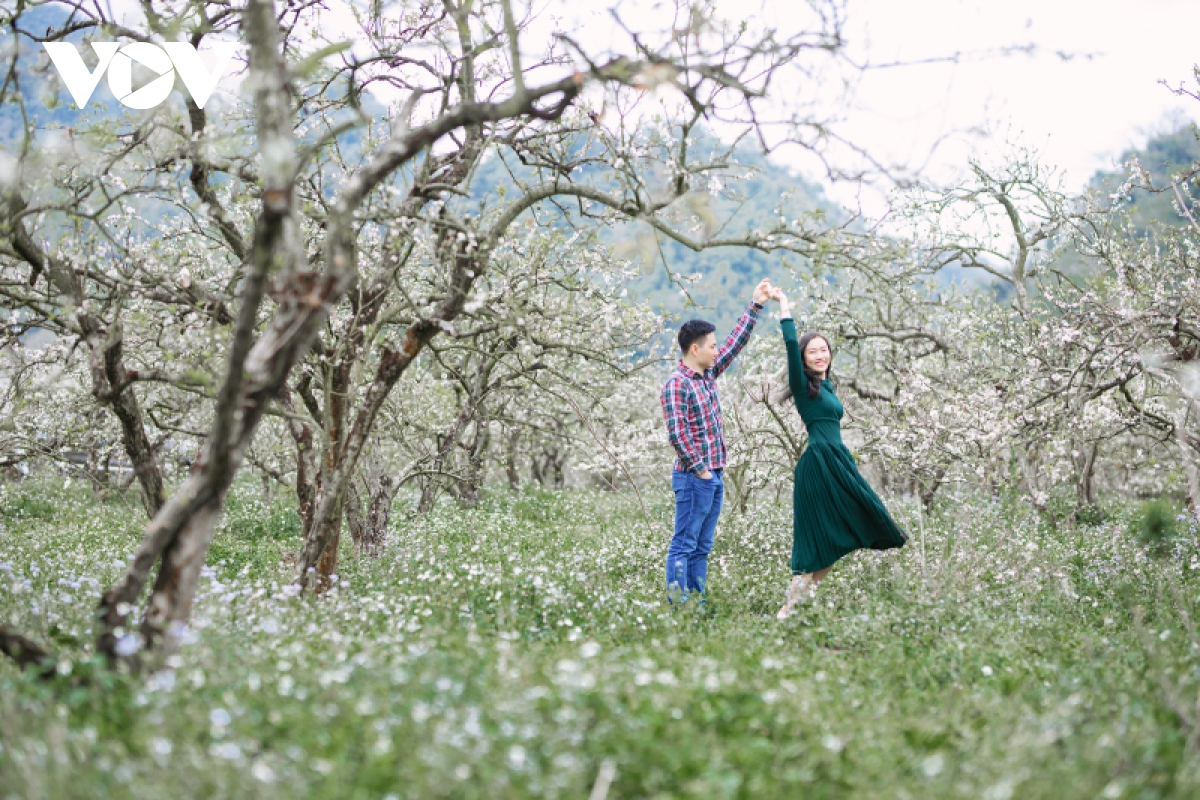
(814, 378)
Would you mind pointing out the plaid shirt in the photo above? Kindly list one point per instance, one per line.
(690, 405)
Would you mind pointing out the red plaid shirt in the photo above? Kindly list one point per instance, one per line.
(690, 405)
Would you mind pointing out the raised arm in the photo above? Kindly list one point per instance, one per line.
(797, 380)
(740, 335)
(738, 338)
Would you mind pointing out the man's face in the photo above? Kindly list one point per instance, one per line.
(704, 352)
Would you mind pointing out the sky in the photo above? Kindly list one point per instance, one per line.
(1091, 89)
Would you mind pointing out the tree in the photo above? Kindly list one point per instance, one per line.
(293, 247)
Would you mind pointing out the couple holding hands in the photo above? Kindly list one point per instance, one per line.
(834, 510)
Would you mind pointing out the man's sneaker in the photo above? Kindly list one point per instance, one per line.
(676, 595)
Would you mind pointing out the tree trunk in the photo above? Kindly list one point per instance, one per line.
(446, 442)
(510, 461)
(476, 466)
(306, 461)
(170, 602)
(112, 383)
(429, 492)
(1187, 455)
(268, 490)
(560, 460)
(327, 529)
(333, 443)
(1085, 490)
(117, 391)
(929, 489)
(355, 521)
(1029, 468)
(380, 513)
(319, 552)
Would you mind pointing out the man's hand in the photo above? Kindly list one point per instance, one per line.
(762, 292)
(706, 475)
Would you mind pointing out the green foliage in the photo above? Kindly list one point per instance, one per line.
(1157, 526)
(252, 538)
(1090, 515)
(515, 649)
(35, 503)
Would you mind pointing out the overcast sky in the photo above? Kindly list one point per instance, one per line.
(1080, 109)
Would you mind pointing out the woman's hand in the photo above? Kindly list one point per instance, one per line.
(785, 308)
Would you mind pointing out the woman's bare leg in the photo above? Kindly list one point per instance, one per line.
(800, 590)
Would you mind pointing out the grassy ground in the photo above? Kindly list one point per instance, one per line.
(523, 649)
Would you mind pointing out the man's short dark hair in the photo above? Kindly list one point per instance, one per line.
(693, 331)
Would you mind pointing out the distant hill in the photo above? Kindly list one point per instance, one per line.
(47, 109)
(1164, 156)
(728, 275)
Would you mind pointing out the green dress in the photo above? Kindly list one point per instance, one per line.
(835, 511)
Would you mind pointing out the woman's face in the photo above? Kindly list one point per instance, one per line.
(817, 355)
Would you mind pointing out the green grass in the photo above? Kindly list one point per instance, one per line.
(514, 649)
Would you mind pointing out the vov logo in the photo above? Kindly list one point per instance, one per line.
(163, 59)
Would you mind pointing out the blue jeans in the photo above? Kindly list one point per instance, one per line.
(697, 506)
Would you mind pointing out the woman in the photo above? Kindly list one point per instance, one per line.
(835, 512)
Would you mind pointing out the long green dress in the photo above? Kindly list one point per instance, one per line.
(835, 511)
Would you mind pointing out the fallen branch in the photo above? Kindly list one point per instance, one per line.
(27, 653)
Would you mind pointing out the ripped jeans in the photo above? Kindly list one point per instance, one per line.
(697, 506)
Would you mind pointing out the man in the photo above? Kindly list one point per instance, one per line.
(689, 401)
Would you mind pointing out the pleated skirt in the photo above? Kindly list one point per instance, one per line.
(835, 510)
